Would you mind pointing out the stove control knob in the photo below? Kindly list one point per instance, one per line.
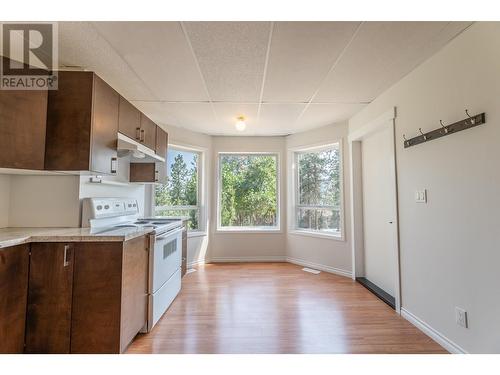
(106, 207)
(99, 207)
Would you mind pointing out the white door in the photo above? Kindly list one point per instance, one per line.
(379, 209)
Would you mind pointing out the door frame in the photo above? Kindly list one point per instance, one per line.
(383, 122)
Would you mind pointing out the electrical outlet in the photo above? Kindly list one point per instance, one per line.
(421, 196)
(461, 317)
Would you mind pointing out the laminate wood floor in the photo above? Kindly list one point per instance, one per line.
(278, 308)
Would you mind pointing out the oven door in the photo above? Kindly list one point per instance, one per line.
(167, 257)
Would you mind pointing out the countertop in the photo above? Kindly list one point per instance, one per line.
(16, 236)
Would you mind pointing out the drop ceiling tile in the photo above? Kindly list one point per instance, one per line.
(317, 115)
(81, 46)
(231, 56)
(193, 116)
(380, 55)
(301, 55)
(159, 53)
(278, 118)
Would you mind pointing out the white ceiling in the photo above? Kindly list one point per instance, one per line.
(284, 77)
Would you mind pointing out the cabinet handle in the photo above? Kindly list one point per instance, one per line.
(156, 176)
(143, 135)
(67, 255)
(113, 165)
(138, 134)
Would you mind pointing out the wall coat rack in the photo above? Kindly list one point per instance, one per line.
(444, 130)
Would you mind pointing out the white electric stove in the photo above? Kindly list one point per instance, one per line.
(165, 252)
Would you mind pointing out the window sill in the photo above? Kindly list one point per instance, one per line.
(196, 233)
(335, 237)
(247, 231)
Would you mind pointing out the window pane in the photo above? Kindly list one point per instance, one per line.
(193, 214)
(322, 219)
(181, 188)
(319, 182)
(248, 191)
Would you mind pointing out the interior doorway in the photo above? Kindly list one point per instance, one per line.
(375, 222)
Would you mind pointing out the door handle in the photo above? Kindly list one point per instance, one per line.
(143, 135)
(113, 164)
(138, 134)
(67, 255)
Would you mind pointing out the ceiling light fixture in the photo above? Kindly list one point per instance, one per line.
(240, 123)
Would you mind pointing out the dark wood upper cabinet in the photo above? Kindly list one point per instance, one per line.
(148, 132)
(23, 116)
(161, 142)
(48, 328)
(82, 124)
(129, 120)
(14, 266)
(143, 172)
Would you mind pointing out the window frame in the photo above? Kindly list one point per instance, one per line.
(200, 191)
(261, 229)
(294, 194)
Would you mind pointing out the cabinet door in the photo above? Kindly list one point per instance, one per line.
(23, 116)
(143, 172)
(134, 289)
(148, 132)
(14, 263)
(50, 290)
(161, 142)
(95, 320)
(104, 128)
(129, 120)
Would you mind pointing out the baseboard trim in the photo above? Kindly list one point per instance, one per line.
(248, 259)
(321, 267)
(432, 333)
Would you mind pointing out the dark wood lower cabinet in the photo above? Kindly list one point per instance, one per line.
(48, 326)
(14, 264)
(109, 295)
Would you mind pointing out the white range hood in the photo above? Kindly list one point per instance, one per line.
(127, 145)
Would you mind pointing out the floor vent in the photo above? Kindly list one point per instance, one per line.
(310, 270)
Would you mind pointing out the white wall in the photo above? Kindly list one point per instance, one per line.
(325, 253)
(449, 247)
(4, 200)
(247, 246)
(44, 201)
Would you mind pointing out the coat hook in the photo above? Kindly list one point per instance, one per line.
(423, 135)
(407, 142)
(472, 119)
(444, 127)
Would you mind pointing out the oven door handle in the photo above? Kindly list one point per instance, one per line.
(169, 234)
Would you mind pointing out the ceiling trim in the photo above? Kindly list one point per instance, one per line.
(202, 77)
(335, 63)
(264, 75)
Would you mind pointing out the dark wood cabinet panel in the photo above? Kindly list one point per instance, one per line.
(129, 121)
(109, 295)
(148, 132)
(14, 265)
(104, 127)
(161, 142)
(82, 124)
(134, 289)
(143, 172)
(49, 298)
(23, 116)
(95, 325)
